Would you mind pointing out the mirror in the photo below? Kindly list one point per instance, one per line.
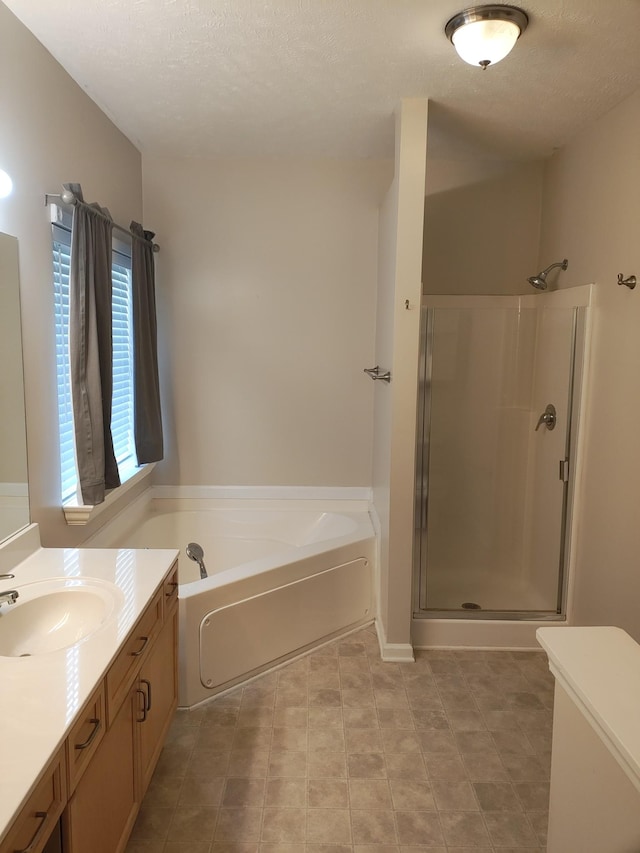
(14, 495)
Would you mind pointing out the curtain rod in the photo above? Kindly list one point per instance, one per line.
(67, 197)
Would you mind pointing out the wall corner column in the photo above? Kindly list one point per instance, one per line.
(397, 349)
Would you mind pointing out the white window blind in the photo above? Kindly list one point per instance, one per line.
(61, 264)
(122, 405)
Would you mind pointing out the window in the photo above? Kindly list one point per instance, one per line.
(122, 405)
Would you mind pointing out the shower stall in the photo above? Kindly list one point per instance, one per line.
(500, 390)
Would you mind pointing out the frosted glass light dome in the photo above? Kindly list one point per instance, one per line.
(6, 184)
(483, 35)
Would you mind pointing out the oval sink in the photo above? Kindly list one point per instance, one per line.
(53, 615)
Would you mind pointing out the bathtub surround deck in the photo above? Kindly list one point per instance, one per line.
(338, 751)
(283, 577)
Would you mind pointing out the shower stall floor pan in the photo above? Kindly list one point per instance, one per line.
(450, 591)
(434, 632)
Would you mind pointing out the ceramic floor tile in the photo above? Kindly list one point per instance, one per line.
(395, 718)
(193, 823)
(234, 847)
(240, 792)
(238, 825)
(327, 765)
(412, 794)
(339, 752)
(327, 794)
(325, 718)
(284, 825)
(454, 796)
(329, 826)
(360, 718)
(369, 765)
(291, 793)
(369, 794)
(496, 797)
(464, 829)
(152, 824)
(373, 826)
(297, 718)
(201, 791)
(326, 740)
(419, 828)
(405, 765)
(364, 740)
(510, 829)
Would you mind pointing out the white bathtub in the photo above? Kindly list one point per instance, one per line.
(281, 579)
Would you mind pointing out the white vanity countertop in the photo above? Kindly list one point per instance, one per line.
(600, 670)
(40, 696)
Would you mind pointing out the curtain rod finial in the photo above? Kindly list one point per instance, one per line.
(68, 197)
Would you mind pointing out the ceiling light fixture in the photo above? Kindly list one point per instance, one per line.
(6, 184)
(483, 35)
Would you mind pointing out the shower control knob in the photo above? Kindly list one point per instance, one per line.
(548, 418)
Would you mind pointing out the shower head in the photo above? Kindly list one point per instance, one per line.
(194, 552)
(540, 281)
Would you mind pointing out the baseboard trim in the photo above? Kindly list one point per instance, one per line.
(393, 652)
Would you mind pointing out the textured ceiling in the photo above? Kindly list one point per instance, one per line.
(322, 77)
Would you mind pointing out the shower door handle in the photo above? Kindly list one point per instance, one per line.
(548, 418)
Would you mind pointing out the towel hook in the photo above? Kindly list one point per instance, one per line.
(629, 282)
(374, 373)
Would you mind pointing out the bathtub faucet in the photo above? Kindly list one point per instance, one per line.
(195, 552)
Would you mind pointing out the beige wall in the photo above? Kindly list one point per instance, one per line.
(482, 226)
(51, 133)
(266, 295)
(592, 217)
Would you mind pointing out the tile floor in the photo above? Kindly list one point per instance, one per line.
(338, 752)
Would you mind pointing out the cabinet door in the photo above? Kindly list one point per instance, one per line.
(159, 680)
(85, 737)
(101, 813)
(39, 817)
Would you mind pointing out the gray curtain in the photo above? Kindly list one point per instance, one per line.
(147, 414)
(91, 348)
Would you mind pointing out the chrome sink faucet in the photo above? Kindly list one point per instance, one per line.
(10, 596)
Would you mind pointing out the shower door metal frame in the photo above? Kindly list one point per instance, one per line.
(579, 334)
(423, 437)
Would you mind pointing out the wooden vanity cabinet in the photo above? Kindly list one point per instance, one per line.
(101, 812)
(37, 820)
(142, 695)
(85, 737)
(158, 699)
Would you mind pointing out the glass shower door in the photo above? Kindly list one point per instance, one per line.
(492, 476)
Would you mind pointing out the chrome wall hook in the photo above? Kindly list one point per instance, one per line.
(374, 373)
(629, 282)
